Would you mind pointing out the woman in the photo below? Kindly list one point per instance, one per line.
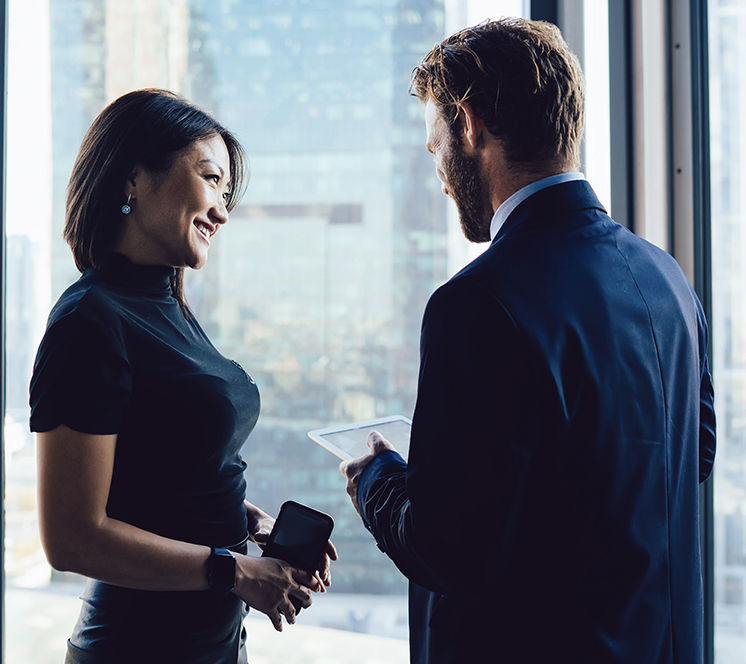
(139, 419)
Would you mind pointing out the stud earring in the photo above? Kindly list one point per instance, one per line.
(126, 209)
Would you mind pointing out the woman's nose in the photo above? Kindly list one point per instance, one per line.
(220, 212)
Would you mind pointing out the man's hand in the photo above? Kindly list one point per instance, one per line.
(354, 468)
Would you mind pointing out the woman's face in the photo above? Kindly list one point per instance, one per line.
(175, 215)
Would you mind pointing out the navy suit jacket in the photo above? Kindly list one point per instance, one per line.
(548, 511)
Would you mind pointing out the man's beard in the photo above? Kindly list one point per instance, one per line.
(468, 189)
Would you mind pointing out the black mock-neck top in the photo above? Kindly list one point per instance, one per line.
(119, 357)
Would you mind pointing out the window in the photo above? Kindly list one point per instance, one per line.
(727, 51)
(316, 286)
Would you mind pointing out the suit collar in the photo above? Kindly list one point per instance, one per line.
(552, 201)
(504, 211)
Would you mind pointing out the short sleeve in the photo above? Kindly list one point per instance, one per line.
(81, 378)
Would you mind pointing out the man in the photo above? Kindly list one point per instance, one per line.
(548, 511)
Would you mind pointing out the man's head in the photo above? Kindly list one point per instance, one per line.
(520, 81)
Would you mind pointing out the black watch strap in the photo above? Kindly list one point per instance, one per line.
(221, 571)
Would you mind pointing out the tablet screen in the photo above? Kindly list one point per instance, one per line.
(348, 442)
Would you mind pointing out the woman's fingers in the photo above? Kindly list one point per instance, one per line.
(276, 617)
(325, 567)
(306, 579)
(322, 583)
(302, 597)
(331, 550)
(287, 609)
(275, 588)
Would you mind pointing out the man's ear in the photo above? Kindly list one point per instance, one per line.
(472, 124)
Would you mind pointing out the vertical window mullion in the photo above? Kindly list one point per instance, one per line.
(3, 87)
(703, 276)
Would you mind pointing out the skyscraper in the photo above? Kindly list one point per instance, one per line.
(321, 277)
(318, 283)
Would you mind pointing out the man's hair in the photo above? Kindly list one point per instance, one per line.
(520, 78)
(149, 128)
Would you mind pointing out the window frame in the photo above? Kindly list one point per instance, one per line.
(3, 131)
(690, 202)
(686, 103)
(702, 267)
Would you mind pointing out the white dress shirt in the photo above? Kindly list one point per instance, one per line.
(503, 212)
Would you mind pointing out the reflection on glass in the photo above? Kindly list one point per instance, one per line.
(316, 286)
(727, 52)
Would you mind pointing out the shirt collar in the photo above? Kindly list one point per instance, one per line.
(503, 212)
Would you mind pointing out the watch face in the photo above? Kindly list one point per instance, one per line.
(221, 570)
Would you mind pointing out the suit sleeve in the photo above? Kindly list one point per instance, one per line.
(450, 507)
(706, 409)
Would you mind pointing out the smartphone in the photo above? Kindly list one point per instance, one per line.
(299, 536)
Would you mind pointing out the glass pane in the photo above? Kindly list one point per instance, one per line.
(597, 146)
(316, 286)
(727, 34)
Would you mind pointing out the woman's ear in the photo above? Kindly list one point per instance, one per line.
(472, 124)
(133, 179)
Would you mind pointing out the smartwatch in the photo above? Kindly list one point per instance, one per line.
(221, 571)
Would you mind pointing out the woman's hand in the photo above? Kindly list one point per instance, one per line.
(324, 573)
(260, 527)
(270, 585)
(260, 524)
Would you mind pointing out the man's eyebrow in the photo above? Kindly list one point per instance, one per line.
(430, 147)
(214, 163)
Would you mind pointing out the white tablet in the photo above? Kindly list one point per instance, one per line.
(348, 441)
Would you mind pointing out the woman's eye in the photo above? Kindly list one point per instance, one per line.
(214, 177)
(227, 196)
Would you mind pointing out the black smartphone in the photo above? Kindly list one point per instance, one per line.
(299, 536)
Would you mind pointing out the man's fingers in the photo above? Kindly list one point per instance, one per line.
(344, 467)
(374, 438)
(377, 443)
(354, 466)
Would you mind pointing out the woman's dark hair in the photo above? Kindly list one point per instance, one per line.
(150, 128)
(520, 78)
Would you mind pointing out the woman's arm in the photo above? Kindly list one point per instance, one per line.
(75, 471)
